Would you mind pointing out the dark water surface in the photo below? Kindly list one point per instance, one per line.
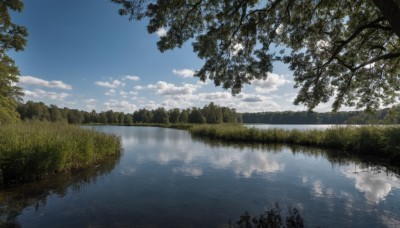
(166, 178)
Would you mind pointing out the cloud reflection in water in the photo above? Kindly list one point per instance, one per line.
(376, 185)
(244, 162)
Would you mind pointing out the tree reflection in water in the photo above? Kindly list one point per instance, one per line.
(14, 200)
(271, 219)
(333, 156)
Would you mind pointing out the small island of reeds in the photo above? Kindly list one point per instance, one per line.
(35, 150)
(382, 142)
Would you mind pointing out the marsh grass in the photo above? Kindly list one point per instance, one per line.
(34, 150)
(380, 141)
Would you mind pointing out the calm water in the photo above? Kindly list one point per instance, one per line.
(166, 178)
(294, 126)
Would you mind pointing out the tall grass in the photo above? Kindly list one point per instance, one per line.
(381, 141)
(34, 150)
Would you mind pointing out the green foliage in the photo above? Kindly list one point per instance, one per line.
(160, 115)
(128, 119)
(34, 150)
(380, 141)
(383, 116)
(393, 115)
(215, 114)
(174, 115)
(12, 37)
(195, 116)
(9, 92)
(347, 49)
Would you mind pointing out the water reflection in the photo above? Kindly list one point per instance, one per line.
(166, 178)
(376, 183)
(245, 162)
(14, 200)
(188, 171)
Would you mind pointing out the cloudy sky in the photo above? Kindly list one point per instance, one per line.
(82, 54)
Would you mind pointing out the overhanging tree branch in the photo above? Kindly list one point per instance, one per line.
(379, 58)
(391, 11)
(352, 37)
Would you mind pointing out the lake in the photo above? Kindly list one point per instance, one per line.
(167, 178)
(296, 126)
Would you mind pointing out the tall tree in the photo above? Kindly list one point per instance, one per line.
(160, 115)
(195, 116)
(212, 113)
(12, 37)
(346, 49)
(128, 119)
(174, 115)
(55, 113)
(184, 116)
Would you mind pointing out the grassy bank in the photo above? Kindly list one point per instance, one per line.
(34, 150)
(377, 141)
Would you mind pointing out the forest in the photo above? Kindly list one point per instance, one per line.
(382, 116)
(211, 114)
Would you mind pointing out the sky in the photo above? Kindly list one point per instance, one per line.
(81, 54)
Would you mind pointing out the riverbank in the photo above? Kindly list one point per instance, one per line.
(35, 150)
(379, 141)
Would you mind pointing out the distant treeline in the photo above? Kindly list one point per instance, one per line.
(211, 114)
(384, 116)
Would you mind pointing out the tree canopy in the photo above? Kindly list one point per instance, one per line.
(210, 114)
(12, 37)
(346, 49)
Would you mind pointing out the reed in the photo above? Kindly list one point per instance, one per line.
(381, 141)
(34, 150)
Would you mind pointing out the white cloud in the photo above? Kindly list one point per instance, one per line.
(173, 102)
(215, 96)
(272, 83)
(112, 85)
(41, 94)
(161, 32)
(185, 73)
(168, 89)
(138, 87)
(90, 103)
(247, 104)
(110, 92)
(252, 98)
(150, 105)
(132, 77)
(30, 80)
(120, 106)
(91, 100)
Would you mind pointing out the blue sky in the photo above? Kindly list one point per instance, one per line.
(82, 54)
